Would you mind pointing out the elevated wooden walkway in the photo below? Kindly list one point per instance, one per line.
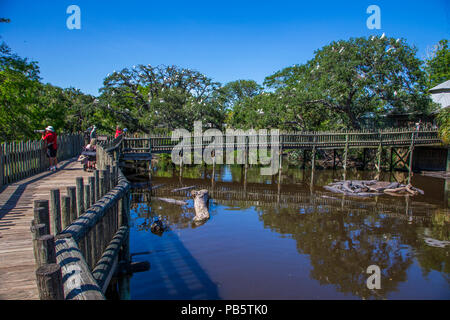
(17, 263)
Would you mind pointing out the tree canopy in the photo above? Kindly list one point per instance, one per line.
(146, 98)
(438, 66)
(346, 82)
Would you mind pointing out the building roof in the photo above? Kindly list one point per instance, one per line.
(444, 86)
(441, 94)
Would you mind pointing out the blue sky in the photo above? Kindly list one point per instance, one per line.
(226, 40)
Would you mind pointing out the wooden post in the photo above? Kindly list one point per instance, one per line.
(97, 185)
(334, 159)
(37, 231)
(114, 170)
(80, 196)
(72, 194)
(345, 155)
(49, 282)
(364, 158)
(41, 212)
(313, 164)
(379, 153)
(280, 168)
(411, 149)
(304, 159)
(391, 155)
(102, 183)
(65, 212)
(46, 252)
(107, 178)
(55, 211)
(93, 247)
(91, 181)
(87, 197)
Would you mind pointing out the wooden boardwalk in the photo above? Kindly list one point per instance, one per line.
(17, 264)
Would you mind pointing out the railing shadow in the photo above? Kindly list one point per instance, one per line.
(175, 274)
(15, 196)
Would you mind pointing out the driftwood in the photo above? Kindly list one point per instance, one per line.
(173, 201)
(183, 189)
(370, 188)
(201, 199)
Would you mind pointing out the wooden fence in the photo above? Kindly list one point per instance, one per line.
(81, 240)
(19, 160)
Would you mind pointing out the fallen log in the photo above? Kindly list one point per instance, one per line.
(201, 200)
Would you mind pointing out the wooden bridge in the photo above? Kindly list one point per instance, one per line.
(79, 236)
(400, 142)
(79, 239)
(290, 140)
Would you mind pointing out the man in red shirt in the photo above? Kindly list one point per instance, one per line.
(118, 132)
(50, 137)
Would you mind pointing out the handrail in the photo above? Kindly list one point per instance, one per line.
(22, 159)
(89, 247)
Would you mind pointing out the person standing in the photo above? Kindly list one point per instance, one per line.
(93, 135)
(118, 132)
(50, 137)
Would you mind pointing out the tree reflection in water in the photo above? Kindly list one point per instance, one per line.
(341, 236)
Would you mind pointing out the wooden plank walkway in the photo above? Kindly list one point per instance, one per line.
(17, 264)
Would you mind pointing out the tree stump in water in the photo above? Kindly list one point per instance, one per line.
(201, 199)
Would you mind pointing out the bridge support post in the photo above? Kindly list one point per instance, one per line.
(411, 149)
(345, 155)
(391, 155)
(304, 159)
(313, 163)
(334, 159)
(364, 158)
(379, 152)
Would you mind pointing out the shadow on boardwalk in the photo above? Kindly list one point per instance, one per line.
(10, 202)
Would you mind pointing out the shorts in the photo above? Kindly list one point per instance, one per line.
(51, 152)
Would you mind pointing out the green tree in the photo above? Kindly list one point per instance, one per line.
(443, 119)
(146, 98)
(235, 92)
(347, 80)
(438, 66)
(19, 88)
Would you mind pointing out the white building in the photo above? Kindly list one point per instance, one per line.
(441, 94)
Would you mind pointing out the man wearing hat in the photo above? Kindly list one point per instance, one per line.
(50, 137)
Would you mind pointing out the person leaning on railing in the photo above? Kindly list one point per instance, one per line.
(50, 137)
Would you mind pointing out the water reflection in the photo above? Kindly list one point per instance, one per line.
(341, 236)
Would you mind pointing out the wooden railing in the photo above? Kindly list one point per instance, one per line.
(299, 140)
(80, 239)
(19, 160)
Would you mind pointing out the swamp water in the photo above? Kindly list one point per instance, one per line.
(271, 239)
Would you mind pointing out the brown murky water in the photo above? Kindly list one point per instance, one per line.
(288, 240)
